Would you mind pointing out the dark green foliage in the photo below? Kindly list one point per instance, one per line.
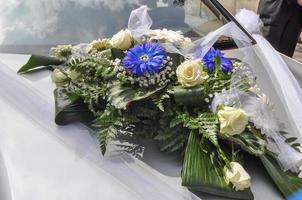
(287, 182)
(95, 67)
(189, 96)
(173, 139)
(117, 53)
(135, 150)
(160, 100)
(252, 142)
(199, 173)
(107, 125)
(68, 111)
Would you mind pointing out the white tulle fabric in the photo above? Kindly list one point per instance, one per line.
(139, 22)
(285, 87)
(285, 84)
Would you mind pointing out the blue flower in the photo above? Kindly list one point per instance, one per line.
(145, 57)
(214, 57)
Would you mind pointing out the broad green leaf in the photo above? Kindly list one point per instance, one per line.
(120, 96)
(200, 174)
(70, 111)
(189, 96)
(290, 140)
(36, 62)
(177, 59)
(117, 53)
(250, 142)
(287, 182)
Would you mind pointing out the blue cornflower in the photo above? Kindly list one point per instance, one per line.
(214, 57)
(145, 57)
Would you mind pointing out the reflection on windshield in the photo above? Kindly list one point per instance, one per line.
(73, 21)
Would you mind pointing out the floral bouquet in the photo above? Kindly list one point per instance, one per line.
(208, 109)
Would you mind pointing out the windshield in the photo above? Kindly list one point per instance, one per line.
(31, 26)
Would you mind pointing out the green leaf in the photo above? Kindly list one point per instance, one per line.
(207, 124)
(36, 62)
(290, 140)
(200, 174)
(70, 111)
(177, 59)
(209, 127)
(117, 53)
(189, 96)
(73, 97)
(107, 125)
(120, 96)
(159, 101)
(296, 146)
(287, 182)
(164, 135)
(253, 143)
(172, 139)
(104, 134)
(173, 144)
(175, 121)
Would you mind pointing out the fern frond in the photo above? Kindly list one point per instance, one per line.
(173, 139)
(107, 125)
(135, 150)
(104, 134)
(207, 124)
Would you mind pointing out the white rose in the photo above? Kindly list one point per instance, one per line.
(190, 73)
(232, 121)
(59, 78)
(237, 176)
(122, 40)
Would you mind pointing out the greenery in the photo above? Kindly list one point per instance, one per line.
(287, 182)
(200, 173)
(107, 125)
(123, 109)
